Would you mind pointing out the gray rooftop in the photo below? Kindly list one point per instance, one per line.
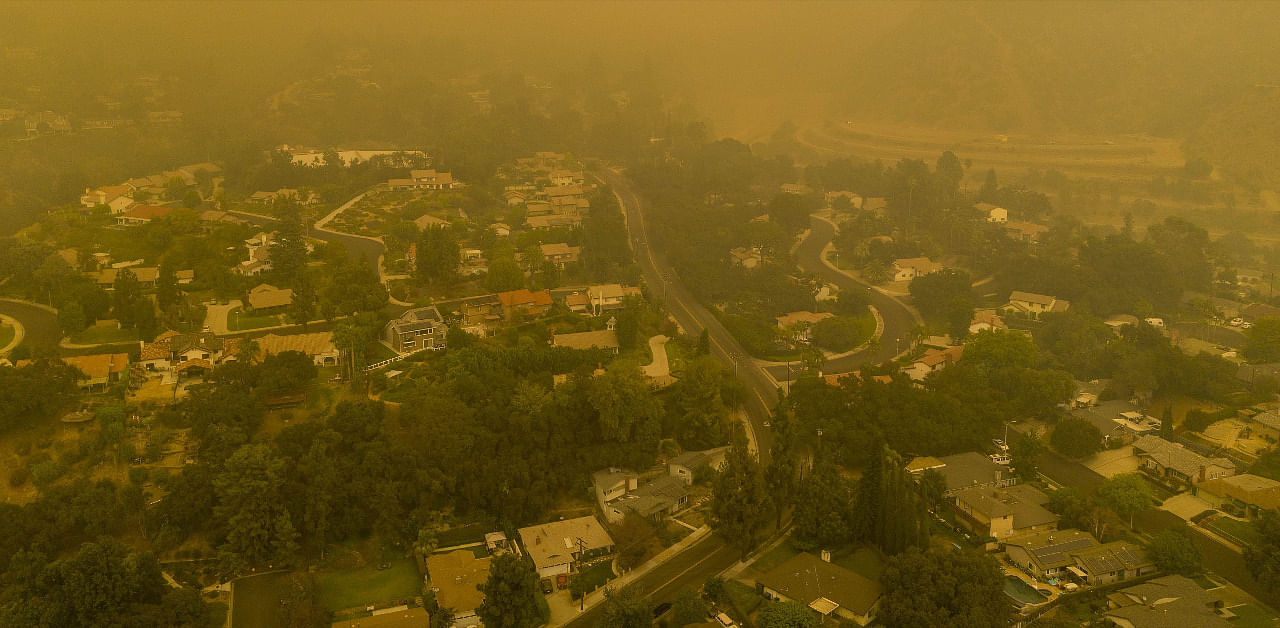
(970, 469)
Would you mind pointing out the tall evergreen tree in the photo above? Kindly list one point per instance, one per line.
(510, 595)
(740, 502)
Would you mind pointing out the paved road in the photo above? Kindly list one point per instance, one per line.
(39, 325)
(689, 569)
(898, 319)
(356, 246)
(693, 317)
(1218, 558)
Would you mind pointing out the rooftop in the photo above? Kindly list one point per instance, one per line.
(1024, 503)
(1167, 602)
(1177, 457)
(807, 579)
(455, 577)
(101, 365)
(969, 469)
(556, 542)
(1246, 487)
(1056, 547)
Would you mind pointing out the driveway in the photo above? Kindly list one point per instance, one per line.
(215, 317)
(659, 370)
(1185, 505)
(1111, 462)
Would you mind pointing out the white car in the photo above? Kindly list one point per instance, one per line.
(1236, 322)
(1246, 325)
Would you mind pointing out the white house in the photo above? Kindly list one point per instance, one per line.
(998, 215)
(909, 268)
(1032, 304)
(555, 547)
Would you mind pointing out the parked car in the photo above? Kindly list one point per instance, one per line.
(660, 609)
(547, 587)
(1236, 322)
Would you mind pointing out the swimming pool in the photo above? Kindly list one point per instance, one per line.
(1022, 592)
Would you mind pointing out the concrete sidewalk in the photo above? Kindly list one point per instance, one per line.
(564, 609)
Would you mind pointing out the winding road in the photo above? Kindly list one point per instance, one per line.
(899, 320)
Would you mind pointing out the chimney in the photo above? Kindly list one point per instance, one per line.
(826, 556)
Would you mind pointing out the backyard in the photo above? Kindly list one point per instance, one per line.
(1239, 532)
(256, 600)
(365, 585)
(96, 335)
(238, 320)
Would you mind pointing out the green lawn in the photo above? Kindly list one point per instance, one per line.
(1251, 616)
(774, 557)
(596, 575)
(743, 599)
(367, 585)
(377, 352)
(1239, 531)
(863, 561)
(256, 600)
(102, 335)
(238, 320)
(6, 335)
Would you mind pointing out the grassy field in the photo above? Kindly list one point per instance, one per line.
(863, 561)
(774, 557)
(377, 352)
(1251, 616)
(238, 320)
(6, 334)
(256, 600)
(1241, 531)
(101, 335)
(597, 575)
(367, 585)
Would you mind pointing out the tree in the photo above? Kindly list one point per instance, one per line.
(789, 211)
(780, 474)
(1263, 340)
(943, 588)
(838, 333)
(252, 507)
(739, 502)
(786, 615)
(822, 509)
(1174, 551)
(126, 294)
(696, 402)
(688, 609)
(945, 298)
(994, 349)
(933, 486)
(624, 609)
(1166, 424)
(438, 256)
(510, 594)
(989, 187)
(888, 510)
(1127, 494)
(1024, 452)
(1075, 438)
(1263, 557)
(704, 343)
(504, 275)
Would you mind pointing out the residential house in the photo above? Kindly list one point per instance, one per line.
(432, 180)
(142, 214)
(560, 254)
(909, 268)
(586, 340)
(1062, 554)
(1033, 305)
(578, 302)
(801, 322)
(986, 320)
(266, 297)
(115, 197)
(1266, 424)
(685, 465)
(416, 329)
(934, 360)
(1117, 420)
(619, 493)
(259, 258)
(515, 197)
(501, 229)
(967, 470)
(219, 216)
(1175, 464)
(799, 189)
(524, 301)
(1003, 512)
(316, 345)
(556, 547)
(190, 354)
(566, 177)
(99, 370)
(184, 276)
(1163, 602)
(609, 297)
(552, 221)
(746, 257)
(1117, 322)
(994, 214)
(456, 578)
(427, 221)
(612, 483)
(106, 278)
(829, 589)
(1025, 231)
(479, 316)
(1245, 495)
